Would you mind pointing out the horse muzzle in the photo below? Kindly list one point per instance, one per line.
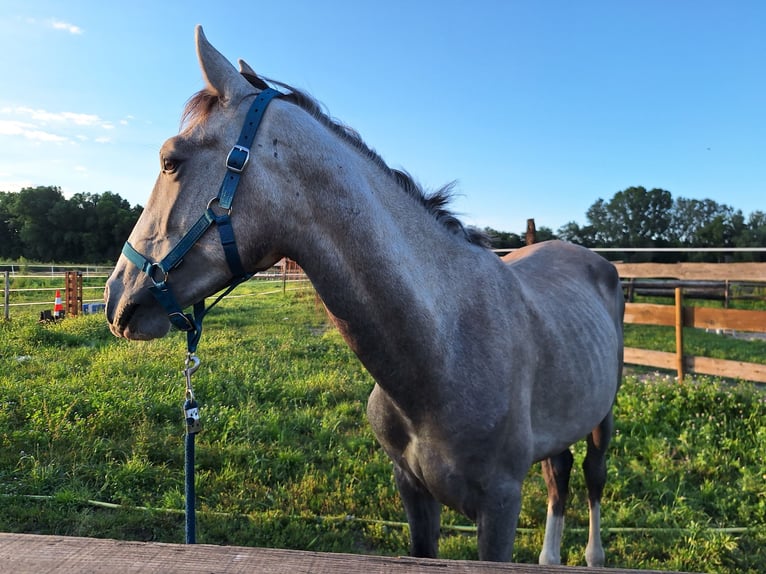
(134, 315)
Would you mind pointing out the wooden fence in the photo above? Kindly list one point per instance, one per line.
(34, 554)
(680, 316)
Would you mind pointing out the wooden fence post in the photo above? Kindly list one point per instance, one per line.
(531, 235)
(680, 334)
(6, 295)
(73, 291)
(631, 289)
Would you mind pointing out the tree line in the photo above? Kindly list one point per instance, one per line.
(637, 217)
(40, 224)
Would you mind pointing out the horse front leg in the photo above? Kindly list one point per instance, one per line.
(496, 520)
(556, 471)
(423, 514)
(594, 466)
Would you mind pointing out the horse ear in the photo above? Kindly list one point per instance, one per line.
(220, 76)
(245, 68)
(249, 74)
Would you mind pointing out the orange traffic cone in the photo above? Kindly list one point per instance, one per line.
(58, 308)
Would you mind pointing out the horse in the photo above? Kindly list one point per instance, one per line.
(482, 365)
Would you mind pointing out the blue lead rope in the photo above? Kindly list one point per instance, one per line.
(191, 415)
(191, 522)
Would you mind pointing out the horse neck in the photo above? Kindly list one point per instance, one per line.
(380, 262)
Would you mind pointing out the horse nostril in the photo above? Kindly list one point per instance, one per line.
(109, 305)
(119, 317)
(112, 302)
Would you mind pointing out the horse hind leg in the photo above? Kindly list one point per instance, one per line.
(423, 515)
(556, 471)
(594, 466)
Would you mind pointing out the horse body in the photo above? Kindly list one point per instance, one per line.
(482, 366)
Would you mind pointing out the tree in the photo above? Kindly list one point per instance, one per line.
(640, 218)
(114, 220)
(704, 223)
(754, 235)
(38, 216)
(603, 230)
(503, 239)
(10, 243)
(634, 217)
(544, 233)
(40, 224)
(574, 233)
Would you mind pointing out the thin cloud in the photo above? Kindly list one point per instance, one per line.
(56, 117)
(45, 126)
(28, 131)
(66, 27)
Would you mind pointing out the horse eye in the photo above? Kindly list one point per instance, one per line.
(169, 165)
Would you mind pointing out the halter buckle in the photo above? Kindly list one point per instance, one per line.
(237, 158)
(182, 321)
(151, 271)
(216, 201)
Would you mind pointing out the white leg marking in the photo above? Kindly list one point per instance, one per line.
(554, 529)
(594, 553)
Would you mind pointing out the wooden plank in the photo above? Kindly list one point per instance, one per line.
(697, 317)
(649, 314)
(699, 365)
(647, 358)
(725, 368)
(734, 319)
(694, 271)
(35, 554)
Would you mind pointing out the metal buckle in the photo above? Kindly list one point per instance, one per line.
(237, 158)
(151, 272)
(216, 200)
(186, 325)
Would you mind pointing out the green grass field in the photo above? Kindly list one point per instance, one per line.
(287, 459)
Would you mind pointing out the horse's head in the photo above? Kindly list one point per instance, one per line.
(170, 248)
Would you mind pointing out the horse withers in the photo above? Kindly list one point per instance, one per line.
(482, 366)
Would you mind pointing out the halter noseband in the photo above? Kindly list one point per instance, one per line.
(159, 271)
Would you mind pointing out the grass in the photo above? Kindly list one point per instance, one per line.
(287, 459)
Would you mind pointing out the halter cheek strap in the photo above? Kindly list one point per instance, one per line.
(159, 271)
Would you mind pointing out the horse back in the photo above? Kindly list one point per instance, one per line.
(556, 264)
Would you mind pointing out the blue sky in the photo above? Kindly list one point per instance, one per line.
(537, 108)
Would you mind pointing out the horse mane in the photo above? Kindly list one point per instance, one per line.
(200, 105)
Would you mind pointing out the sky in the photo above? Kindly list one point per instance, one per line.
(537, 108)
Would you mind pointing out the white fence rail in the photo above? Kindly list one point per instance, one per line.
(43, 296)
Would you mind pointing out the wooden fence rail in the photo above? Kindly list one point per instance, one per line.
(680, 316)
(34, 554)
(755, 272)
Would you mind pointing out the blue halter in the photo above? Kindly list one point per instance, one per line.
(159, 271)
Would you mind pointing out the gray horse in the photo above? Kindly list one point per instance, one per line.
(482, 366)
